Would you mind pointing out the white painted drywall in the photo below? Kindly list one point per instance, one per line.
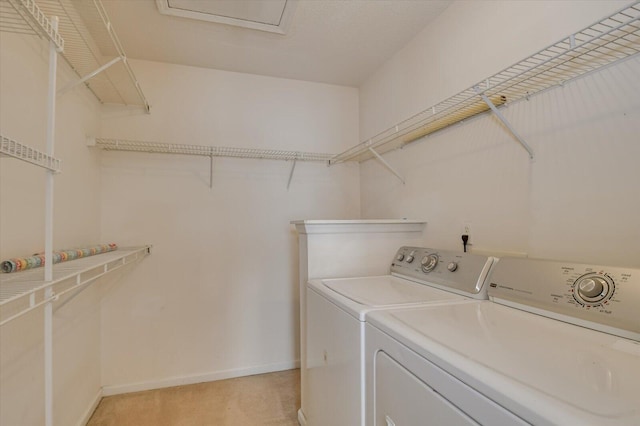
(577, 200)
(218, 297)
(23, 94)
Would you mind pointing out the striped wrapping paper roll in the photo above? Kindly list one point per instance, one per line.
(21, 263)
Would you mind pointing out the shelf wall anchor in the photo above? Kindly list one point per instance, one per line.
(504, 121)
(387, 165)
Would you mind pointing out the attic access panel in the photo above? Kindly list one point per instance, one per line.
(271, 16)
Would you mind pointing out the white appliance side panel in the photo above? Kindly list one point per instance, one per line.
(326, 252)
(402, 399)
(333, 365)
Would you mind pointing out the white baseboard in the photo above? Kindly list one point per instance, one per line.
(87, 414)
(198, 378)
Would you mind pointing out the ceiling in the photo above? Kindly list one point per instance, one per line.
(330, 41)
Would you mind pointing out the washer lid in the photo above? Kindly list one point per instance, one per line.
(387, 290)
(544, 370)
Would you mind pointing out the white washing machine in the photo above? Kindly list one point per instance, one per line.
(337, 310)
(557, 344)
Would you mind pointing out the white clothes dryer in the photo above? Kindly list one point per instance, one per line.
(337, 310)
(557, 344)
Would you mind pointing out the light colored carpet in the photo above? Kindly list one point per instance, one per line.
(265, 399)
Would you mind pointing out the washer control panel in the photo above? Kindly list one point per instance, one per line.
(598, 297)
(462, 273)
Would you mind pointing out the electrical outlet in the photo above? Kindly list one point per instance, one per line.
(466, 230)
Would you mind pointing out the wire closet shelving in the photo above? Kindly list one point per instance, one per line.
(209, 151)
(25, 17)
(94, 52)
(607, 41)
(11, 148)
(22, 292)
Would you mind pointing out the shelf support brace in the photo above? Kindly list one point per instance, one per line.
(293, 167)
(387, 165)
(89, 76)
(504, 121)
(211, 170)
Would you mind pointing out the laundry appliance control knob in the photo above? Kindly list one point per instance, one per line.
(452, 266)
(592, 287)
(410, 259)
(429, 262)
(400, 257)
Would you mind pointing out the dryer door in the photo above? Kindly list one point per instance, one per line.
(401, 399)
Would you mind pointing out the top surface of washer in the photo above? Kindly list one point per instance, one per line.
(387, 290)
(360, 295)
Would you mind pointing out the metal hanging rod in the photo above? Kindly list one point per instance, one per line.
(607, 41)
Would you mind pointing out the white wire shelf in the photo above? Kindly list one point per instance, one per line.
(11, 148)
(612, 39)
(94, 51)
(22, 292)
(206, 151)
(25, 17)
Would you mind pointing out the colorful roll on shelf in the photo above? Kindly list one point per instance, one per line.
(21, 263)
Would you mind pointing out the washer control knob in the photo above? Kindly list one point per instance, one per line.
(400, 257)
(429, 262)
(592, 287)
(410, 259)
(452, 266)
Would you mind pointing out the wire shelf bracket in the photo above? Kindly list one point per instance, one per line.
(504, 121)
(387, 165)
(293, 167)
(89, 76)
(612, 39)
(94, 52)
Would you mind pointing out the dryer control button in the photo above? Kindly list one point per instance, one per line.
(409, 259)
(400, 257)
(452, 266)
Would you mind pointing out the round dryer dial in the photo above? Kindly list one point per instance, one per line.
(429, 262)
(593, 289)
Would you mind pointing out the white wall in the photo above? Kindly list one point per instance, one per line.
(23, 94)
(218, 296)
(577, 200)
